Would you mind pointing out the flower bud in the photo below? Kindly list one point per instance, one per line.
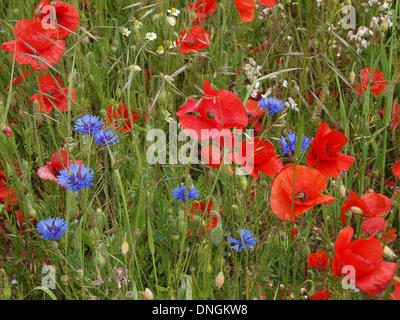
(356, 210)
(124, 247)
(342, 190)
(192, 15)
(226, 170)
(352, 77)
(7, 293)
(32, 212)
(129, 295)
(384, 26)
(175, 236)
(243, 183)
(148, 295)
(389, 254)
(219, 280)
(171, 21)
(156, 17)
(303, 291)
(64, 278)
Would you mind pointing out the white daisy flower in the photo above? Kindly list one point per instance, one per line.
(137, 24)
(160, 50)
(285, 83)
(175, 12)
(151, 36)
(172, 44)
(126, 32)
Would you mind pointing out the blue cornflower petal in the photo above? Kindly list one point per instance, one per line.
(248, 241)
(104, 137)
(273, 105)
(291, 146)
(179, 193)
(76, 177)
(52, 228)
(88, 124)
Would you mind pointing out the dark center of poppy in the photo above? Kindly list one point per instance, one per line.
(211, 115)
(301, 196)
(192, 42)
(320, 263)
(249, 115)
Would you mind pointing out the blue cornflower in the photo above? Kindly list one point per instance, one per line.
(180, 193)
(273, 105)
(88, 124)
(290, 146)
(52, 228)
(76, 177)
(105, 137)
(248, 241)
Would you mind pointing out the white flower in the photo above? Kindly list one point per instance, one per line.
(160, 50)
(151, 36)
(172, 44)
(175, 12)
(138, 24)
(127, 32)
(285, 83)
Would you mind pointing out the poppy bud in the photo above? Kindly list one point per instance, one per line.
(356, 210)
(235, 208)
(243, 183)
(306, 251)
(100, 261)
(348, 215)
(226, 170)
(156, 17)
(171, 21)
(94, 235)
(64, 278)
(148, 295)
(389, 254)
(114, 49)
(192, 15)
(85, 40)
(303, 291)
(118, 92)
(79, 272)
(175, 236)
(219, 280)
(352, 77)
(124, 247)
(7, 293)
(181, 225)
(384, 26)
(342, 190)
(375, 172)
(219, 260)
(208, 268)
(32, 212)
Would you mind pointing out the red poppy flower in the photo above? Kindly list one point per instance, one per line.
(197, 211)
(308, 185)
(396, 169)
(66, 16)
(202, 8)
(294, 233)
(51, 94)
(197, 39)
(257, 156)
(7, 196)
(7, 130)
(18, 79)
(396, 293)
(321, 295)
(35, 46)
(263, 294)
(376, 225)
(372, 275)
(318, 260)
(122, 113)
(394, 120)
(217, 110)
(324, 152)
(378, 82)
(246, 8)
(52, 168)
(371, 204)
(255, 115)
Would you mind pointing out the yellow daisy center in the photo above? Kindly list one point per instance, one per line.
(173, 10)
(160, 48)
(137, 22)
